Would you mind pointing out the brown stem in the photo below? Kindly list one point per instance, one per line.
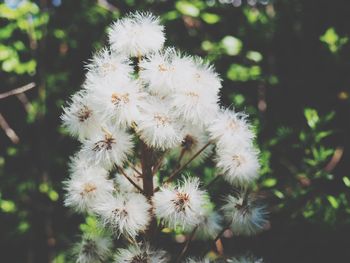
(148, 189)
(173, 175)
(159, 163)
(130, 180)
(132, 166)
(17, 91)
(189, 240)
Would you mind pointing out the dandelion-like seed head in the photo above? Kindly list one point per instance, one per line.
(246, 214)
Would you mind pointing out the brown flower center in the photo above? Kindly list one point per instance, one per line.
(118, 98)
(105, 144)
(181, 201)
(84, 113)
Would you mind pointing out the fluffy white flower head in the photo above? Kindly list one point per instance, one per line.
(239, 165)
(182, 205)
(118, 100)
(246, 215)
(109, 146)
(137, 35)
(158, 127)
(107, 64)
(165, 72)
(140, 253)
(126, 214)
(79, 117)
(88, 187)
(229, 128)
(93, 249)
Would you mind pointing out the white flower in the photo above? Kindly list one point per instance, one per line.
(229, 128)
(140, 253)
(164, 72)
(87, 187)
(195, 138)
(118, 100)
(210, 226)
(197, 260)
(137, 35)
(106, 64)
(158, 128)
(246, 214)
(204, 77)
(127, 214)
(239, 165)
(79, 117)
(107, 147)
(93, 249)
(182, 205)
(245, 259)
(195, 104)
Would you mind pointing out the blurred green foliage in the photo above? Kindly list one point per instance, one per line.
(286, 63)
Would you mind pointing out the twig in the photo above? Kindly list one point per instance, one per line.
(159, 163)
(189, 240)
(173, 175)
(130, 180)
(134, 168)
(218, 236)
(17, 90)
(8, 130)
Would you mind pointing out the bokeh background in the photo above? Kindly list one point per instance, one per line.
(286, 63)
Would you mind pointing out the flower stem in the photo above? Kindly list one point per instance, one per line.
(189, 240)
(173, 175)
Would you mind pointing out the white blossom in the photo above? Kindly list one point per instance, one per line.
(109, 146)
(245, 259)
(118, 100)
(210, 226)
(158, 127)
(126, 214)
(87, 187)
(165, 72)
(197, 260)
(79, 117)
(137, 35)
(93, 249)
(246, 214)
(140, 253)
(182, 205)
(239, 165)
(229, 128)
(106, 64)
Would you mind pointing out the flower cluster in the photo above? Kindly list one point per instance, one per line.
(142, 108)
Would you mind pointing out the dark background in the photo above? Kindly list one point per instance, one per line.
(286, 63)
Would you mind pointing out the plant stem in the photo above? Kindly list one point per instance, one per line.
(189, 240)
(130, 180)
(173, 175)
(148, 189)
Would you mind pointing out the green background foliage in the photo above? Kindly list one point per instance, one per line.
(286, 63)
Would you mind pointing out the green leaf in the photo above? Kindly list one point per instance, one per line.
(210, 18)
(269, 182)
(231, 45)
(312, 117)
(333, 201)
(187, 8)
(346, 181)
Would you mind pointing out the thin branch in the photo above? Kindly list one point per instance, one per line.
(159, 163)
(218, 236)
(8, 130)
(189, 240)
(17, 90)
(173, 175)
(130, 180)
(134, 168)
